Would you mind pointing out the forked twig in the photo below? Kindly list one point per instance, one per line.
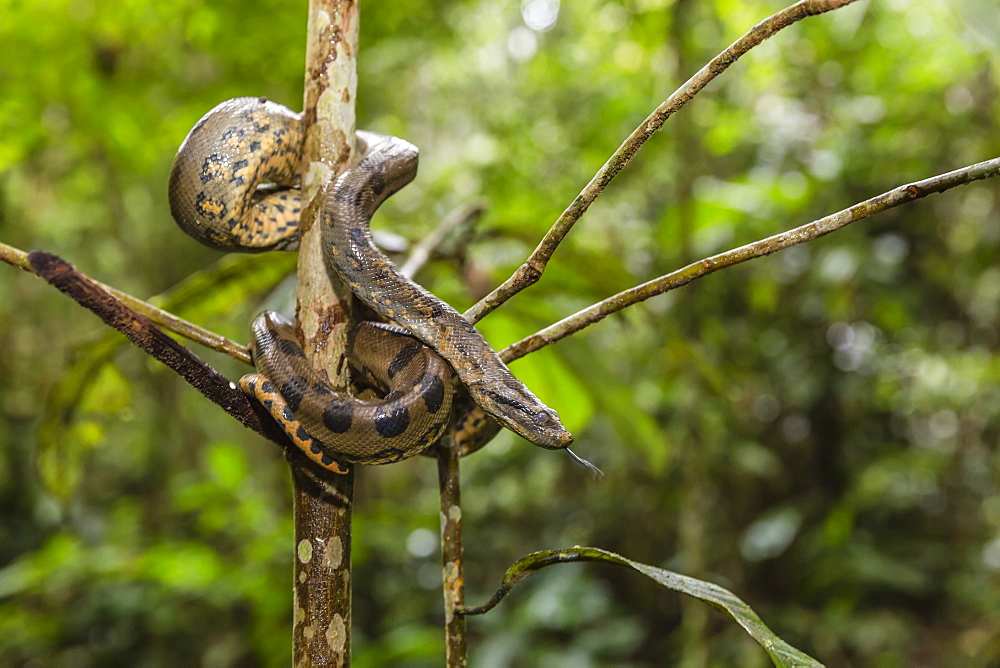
(462, 218)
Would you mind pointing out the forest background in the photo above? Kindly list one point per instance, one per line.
(816, 430)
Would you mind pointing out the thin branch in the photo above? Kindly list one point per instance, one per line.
(164, 319)
(895, 197)
(143, 333)
(452, 560)
(528, 273)
(462, 219)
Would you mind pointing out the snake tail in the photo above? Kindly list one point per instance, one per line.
(263, 390)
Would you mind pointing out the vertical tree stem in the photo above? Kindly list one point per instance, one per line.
(453, 574)
(322, 608)
(322, 500)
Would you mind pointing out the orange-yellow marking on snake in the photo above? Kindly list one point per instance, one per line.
(412, 410)
(258, 386)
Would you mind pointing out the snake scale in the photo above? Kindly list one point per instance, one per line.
(233, 186)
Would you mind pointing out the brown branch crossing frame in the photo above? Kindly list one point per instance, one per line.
(143, 333)
(19, 258)
(107, 304)
(900, 195)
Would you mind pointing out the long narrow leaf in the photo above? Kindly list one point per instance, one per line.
(781, 653)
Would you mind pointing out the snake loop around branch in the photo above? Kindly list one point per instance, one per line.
(233, 187)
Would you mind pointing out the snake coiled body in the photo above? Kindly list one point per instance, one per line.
(409, 417)
(215, 196)
(236, 147)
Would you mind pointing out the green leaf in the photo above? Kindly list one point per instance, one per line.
(781, 653)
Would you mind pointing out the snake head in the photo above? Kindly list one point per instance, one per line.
(523, 413)
(548, 431)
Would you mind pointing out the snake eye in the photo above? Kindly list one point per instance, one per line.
(542, 418)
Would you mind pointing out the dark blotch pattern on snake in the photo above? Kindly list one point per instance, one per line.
(233, 187)
(321, 421)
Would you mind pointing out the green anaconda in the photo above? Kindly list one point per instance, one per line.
(233, 187)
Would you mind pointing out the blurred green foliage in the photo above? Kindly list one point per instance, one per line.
(816, 431)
